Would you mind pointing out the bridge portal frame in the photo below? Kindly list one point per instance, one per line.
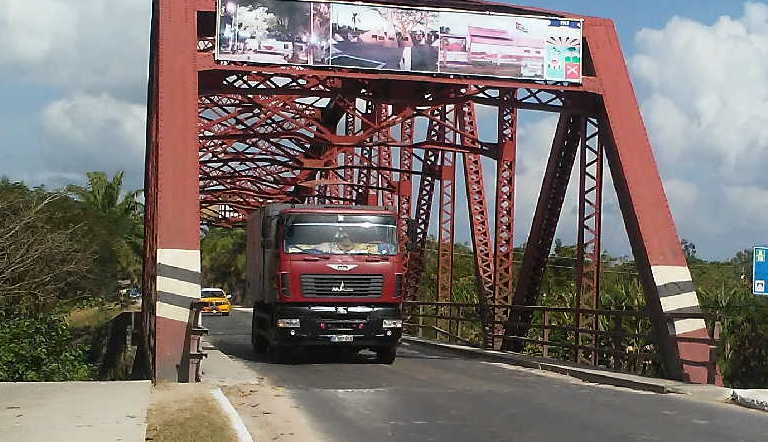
(212, 148)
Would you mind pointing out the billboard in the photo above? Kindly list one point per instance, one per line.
(419, 40)
(760, 271)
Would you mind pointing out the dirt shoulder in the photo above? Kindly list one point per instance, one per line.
(268, 412)
(187, 413)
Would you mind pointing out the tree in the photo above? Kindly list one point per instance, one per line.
(689, 249)
(117, 223)
(103, 195)
(223, 259)
(41, 262)
(406, 21)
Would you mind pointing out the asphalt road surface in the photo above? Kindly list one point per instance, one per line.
(429, 395)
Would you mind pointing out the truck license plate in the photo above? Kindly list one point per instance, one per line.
(342, 338)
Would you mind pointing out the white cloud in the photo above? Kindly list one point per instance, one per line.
(94, 132)
(707, 115)
(750, 206)
(90, 45)
(91, 59)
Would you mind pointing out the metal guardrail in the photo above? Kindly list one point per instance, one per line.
(622, 340)
(193, 352)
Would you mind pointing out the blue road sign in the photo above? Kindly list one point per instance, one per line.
(760, 271)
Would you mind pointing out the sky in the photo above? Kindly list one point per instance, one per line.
(74, 86)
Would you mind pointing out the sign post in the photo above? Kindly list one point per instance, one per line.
(760, 271)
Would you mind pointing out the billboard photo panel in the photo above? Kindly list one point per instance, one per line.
(400, 39)
(495, 45)
(264, 31)
(380, 37)
(320, 41)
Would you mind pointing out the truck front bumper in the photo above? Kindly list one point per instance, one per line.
(338, 325)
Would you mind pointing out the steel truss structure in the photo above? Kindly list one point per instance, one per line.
(224, 139)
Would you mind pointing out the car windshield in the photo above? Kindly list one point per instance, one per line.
(212, 294)
(351, 236)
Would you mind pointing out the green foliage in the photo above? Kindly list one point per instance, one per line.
(115, 225)
(745, 357)
(223, 259)
(39, 348)
(58, 251)
(743, 345)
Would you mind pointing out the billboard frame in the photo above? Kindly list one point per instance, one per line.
(434, 74)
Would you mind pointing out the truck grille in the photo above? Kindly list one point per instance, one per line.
(342, 285)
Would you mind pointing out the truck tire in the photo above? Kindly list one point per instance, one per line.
(386, 355)
(258, 340)
(278, 354)
(259, 343)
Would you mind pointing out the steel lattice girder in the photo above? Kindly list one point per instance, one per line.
(588, 246)
(272, 136)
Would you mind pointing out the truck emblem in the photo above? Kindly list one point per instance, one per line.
(341, 288)
(342, 267)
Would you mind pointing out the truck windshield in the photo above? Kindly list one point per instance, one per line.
(351, 236)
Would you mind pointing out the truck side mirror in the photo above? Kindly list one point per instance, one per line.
(410, 225)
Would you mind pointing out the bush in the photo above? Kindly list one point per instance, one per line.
(746, 348)
(40, 349)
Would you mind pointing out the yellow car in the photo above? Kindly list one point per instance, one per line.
(215, 301)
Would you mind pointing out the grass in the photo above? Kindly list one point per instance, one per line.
(92, 317)
(187, 413)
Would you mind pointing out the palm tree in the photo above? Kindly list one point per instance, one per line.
(123, 211)
(103, 195)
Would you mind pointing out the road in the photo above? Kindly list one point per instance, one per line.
(429, 395)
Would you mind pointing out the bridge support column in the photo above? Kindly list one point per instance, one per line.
(173, 228)
(663, 269)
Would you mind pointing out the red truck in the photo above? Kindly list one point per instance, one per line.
(325, 276)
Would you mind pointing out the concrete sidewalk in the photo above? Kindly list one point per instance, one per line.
(757, 399)
(74, 411)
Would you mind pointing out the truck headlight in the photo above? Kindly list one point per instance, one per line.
(288, 323)
(393, 323)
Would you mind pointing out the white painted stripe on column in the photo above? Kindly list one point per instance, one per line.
(667, 274)
(679, 301)
(688, 325)
(178, 287)
(170, 311)
(184, 259)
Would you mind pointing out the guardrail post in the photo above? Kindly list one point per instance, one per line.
(545, 348)
(421, 321)
(616, 341)
(194, 350)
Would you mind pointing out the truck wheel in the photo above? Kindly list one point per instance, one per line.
(386, 355)
(258, 340)
(259, 343)
(278, 354)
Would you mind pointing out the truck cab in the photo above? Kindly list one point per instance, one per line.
(325, 276)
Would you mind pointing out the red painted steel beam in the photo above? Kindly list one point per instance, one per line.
(504, 251)
(446, 227)
(663, 269)
(588, 259)
(176, 220)
(430, 168)
(205, 62)
(478, 221)
(405, 184)
(551, 197)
